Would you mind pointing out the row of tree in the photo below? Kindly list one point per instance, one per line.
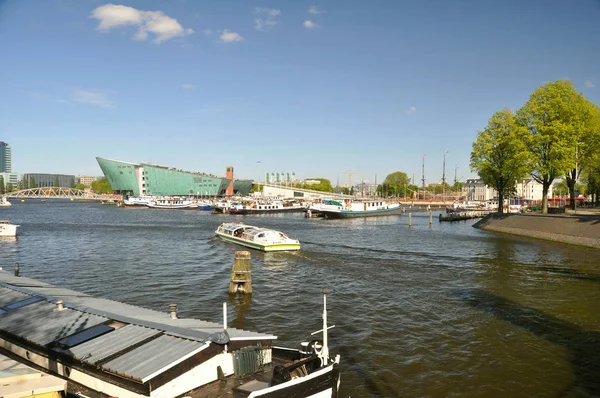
(555, 134)
(99, 186)
(398, 184)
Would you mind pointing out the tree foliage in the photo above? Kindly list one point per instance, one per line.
(395, 184)
(101, 186)
(552, 121)
(324, 185)
(2, 185)
(499, 154)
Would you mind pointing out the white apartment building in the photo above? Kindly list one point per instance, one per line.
(528, 190)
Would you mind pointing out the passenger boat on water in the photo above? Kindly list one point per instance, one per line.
(4, 202)
(267, 240)
(138, 201)
(106, 348)
(7, 228)
(351, 209)
(172, 203)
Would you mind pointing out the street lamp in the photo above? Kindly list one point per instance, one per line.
(259, 172)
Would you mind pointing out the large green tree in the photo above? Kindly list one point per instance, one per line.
(32, 183)
(56, 182)
(499, 155)
(587, 143)
(551, 119)
(394, 184)
(101, 186)
(2, 187)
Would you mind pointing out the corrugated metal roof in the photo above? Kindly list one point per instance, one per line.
(102, 347)
(152, 356)
(41, 324)
(8, 296)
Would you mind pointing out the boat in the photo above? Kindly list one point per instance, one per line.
(107, 348)
(4, 202)
(267, 207)
(138, 201)
(267, 240)
(7, 228)
(205, 205)
(457, 207)
(351, 209)
(172, 203)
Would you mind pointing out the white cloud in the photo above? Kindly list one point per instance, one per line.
(265, 18)
(315, 11)
(156, 22)
(230, 37)
(589, 84)
(207, 32)
(310, 24)
(187, 86)
(39, 95)
(93, 97)
(410, 111)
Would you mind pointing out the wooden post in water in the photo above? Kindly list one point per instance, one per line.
(410, 219)
(241, 274)
(16, 269)
(430, 217)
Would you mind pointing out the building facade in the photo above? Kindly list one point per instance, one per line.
(5, 158)
(43, 180)
(528, 190)
(10, 180)
(129, 178)
(85, 180)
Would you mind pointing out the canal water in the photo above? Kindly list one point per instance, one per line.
(445, 310)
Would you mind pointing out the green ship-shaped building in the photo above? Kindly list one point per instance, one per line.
(135, 179)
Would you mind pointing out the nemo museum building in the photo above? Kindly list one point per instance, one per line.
(135, 179)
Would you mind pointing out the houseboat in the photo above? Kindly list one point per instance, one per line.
(351, 209)
(110, 349)
(7, 228)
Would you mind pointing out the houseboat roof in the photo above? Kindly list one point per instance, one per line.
(132, 342)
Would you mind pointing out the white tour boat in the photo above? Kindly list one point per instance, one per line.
(4, 202)
(264, 239)
(138, 201)
(172, 203)
(351, 209)
(8, 229)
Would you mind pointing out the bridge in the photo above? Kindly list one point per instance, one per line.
(53, 193)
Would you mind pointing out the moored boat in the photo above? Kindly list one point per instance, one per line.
(7, 228)
(138, 201)
(267, 207)
(4, 202)
(114, 349)
(205, 205)
(172, 203)
(264, 239)
(351, 209)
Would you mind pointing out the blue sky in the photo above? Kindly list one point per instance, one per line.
(318, 88)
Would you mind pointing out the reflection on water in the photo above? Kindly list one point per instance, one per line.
(427, 311)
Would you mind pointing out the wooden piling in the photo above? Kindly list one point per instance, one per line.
(16, 269)
(430, 217)
(410, 219)
(241, 274)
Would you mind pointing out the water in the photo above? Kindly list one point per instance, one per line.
(440, 311)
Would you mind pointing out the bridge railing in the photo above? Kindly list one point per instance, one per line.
(53, 193)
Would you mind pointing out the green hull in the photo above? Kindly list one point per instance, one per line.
(365, 213)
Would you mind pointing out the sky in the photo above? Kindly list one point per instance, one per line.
(345, 90)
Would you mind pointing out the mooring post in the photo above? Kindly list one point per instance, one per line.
(241, 274)
(430, 217)
(410, 219)
(16, 269)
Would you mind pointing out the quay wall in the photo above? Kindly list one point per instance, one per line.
(579, 230)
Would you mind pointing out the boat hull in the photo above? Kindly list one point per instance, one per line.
(267, 211)
(8, 230)
(259, 246)
(357, 213)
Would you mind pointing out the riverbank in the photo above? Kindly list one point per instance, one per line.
(577, 229)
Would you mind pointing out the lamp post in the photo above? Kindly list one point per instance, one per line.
(259, 172)
(444, 179)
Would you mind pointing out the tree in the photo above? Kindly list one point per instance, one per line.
(587, 143)
(499, 154)
(101, 186)
(2, 187)
(56, 182)
(81, 186)
(9, 187)
(32, 182)
(550, 117)
(394, 183)
(72, 183)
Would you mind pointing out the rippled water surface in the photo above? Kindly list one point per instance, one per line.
(445, 310)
